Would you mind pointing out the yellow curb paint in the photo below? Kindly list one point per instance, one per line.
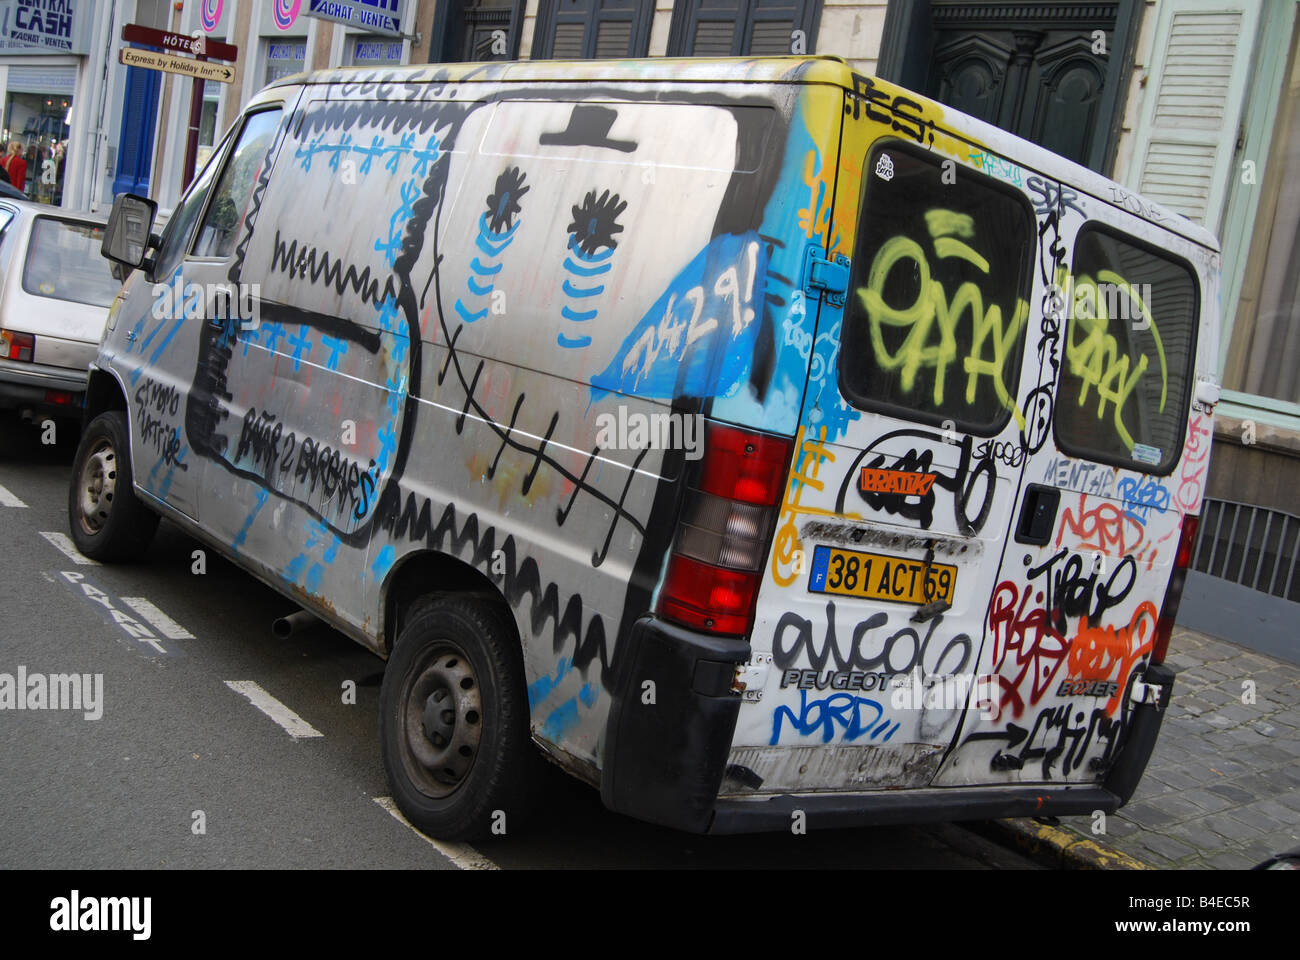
(1076, 852)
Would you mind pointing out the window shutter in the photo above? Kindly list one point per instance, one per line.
(715, 28)
(772, 24)
(1196, 86)
(586, 29)
(734, 28)
(135, 150)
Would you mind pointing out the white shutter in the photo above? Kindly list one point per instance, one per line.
(1195, 94)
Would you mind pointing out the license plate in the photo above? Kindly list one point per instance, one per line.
(875, 576)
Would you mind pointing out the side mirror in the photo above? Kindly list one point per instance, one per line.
(128, 233)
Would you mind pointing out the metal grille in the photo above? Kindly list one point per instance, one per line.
(1253, 546)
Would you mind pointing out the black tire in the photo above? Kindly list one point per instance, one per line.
(456, 674)
(108, 521)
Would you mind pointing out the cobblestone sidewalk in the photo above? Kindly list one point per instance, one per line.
(1222, 790)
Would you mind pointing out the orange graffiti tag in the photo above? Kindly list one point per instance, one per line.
(904, 482)
(1097, 651)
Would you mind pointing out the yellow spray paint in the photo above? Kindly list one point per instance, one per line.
(934, 314)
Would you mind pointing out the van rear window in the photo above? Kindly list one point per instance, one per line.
(935, 323)
(1130, 343)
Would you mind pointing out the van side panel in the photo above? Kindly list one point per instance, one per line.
(513, 298)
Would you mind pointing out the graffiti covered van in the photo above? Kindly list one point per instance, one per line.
(745, 436)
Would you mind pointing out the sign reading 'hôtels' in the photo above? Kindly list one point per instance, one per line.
(178, 42)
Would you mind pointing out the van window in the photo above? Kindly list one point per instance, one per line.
(230, 199)
(1130, 344)
(934, 327)
(176, 235)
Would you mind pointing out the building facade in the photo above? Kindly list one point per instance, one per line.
(1193, 103)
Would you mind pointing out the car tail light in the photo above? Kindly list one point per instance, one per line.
(1174, 592)
(60, 397)
(16, 346)
(724, 531)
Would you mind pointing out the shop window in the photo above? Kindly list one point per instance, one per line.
(284, 58)
(365, 50)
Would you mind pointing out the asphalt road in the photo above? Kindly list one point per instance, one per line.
(175, 738)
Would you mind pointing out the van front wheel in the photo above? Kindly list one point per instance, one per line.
(108, 522)
(454, 720)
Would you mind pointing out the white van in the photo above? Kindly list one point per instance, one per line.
(751, 436)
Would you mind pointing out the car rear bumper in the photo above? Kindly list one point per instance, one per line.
(25, 385)
(672, 721)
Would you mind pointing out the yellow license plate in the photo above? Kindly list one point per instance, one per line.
(875, 576)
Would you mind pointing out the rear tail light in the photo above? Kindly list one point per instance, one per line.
(60, 397)
(1174, 593)
(724, 531)
(16, 346)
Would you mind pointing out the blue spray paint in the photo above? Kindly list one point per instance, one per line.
(698, 338)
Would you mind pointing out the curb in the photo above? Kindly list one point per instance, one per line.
(1056, 846)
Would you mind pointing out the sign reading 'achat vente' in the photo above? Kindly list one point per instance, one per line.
(375, 16)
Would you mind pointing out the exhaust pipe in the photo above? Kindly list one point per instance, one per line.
(285, 627)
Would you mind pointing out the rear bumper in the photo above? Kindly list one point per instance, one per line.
(23, 385)
(670, 730)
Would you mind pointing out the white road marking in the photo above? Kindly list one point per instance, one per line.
(164, 624)
(62, 543)
(462, 855)
(294, 725)
(134, 628)
(7, 499)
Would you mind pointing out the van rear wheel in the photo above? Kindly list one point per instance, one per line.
(454, 720)
(108, 522)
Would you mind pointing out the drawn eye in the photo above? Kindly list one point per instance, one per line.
(595, 222)
(503, 202)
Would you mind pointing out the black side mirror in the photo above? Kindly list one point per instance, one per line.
(129, 231)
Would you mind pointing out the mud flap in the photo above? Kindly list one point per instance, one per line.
(670, 725)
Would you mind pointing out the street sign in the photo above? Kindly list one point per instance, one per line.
(185, 66)
(374, 16)
(201, 46)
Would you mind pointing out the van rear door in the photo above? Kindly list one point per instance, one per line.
(904, 480)
(1114, 459)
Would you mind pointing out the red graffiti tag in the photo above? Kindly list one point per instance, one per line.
(1028, 634)
(1196, 455)
(1106, 528)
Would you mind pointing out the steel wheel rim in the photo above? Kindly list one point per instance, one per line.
(442, 720)
(96, 486)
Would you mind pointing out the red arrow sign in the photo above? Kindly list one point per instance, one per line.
(179, 43)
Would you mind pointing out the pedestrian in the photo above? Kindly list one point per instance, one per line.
(16, 166)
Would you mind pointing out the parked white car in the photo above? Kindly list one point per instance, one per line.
(55, 290)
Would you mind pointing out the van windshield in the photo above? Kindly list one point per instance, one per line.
(935, 322)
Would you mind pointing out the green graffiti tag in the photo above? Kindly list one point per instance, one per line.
(932, 320)
(1096, 359)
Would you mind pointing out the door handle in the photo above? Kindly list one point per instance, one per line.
(1038, 514)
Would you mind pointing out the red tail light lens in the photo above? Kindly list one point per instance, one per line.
(745, 466)
(1174, 593)
(706, 597)
(725, 530)
(16, 346)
